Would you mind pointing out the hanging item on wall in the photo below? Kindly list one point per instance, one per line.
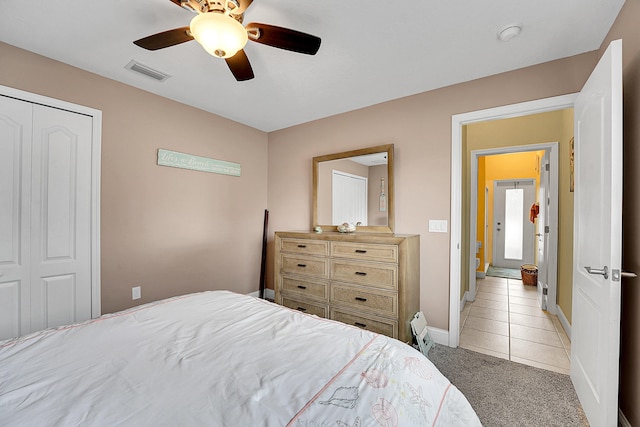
(203, 164)
(383, 197)
(534, 212)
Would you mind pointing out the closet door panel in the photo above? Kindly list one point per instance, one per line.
(10, 312)
(57, 296)
(61, 217)
(15, 187)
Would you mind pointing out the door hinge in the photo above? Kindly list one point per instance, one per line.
(545, 291)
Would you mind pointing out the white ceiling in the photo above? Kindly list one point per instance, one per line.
(372, 51)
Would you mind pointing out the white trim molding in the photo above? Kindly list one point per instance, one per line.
(457, 122)
(268, 294)
(439, 336)
(563, 321)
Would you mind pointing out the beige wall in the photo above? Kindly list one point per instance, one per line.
(170, 231)
(626, 28)
(420, 128)
(556, 126)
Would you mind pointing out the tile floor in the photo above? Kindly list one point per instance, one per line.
(505, 321)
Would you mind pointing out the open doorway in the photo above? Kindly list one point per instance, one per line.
(464, 167)
(531, 173)
(505, 316)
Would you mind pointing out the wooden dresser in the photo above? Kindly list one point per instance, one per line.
(368, 280)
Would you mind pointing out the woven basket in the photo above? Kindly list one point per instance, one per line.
(529, 274)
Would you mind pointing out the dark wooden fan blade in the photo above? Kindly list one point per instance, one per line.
(284, 38)
(165, 39)
(240, 66)
(244, 4)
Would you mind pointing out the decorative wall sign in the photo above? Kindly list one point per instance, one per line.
(203, 164)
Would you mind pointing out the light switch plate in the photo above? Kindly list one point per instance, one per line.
(437, 226)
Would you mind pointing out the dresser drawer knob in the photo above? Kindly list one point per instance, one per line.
(302, 309)
(361, 251)
(360, 325)
(302, 287)
(360, 273)
(302, 265)
(361, 299)
(302, 246)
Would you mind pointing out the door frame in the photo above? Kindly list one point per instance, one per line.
(96, 137)
(457, 122)
(553, 149)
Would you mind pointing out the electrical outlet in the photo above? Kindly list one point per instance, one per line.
(136, 293)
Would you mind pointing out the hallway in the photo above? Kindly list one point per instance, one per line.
(505, 321)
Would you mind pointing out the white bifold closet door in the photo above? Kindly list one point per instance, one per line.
(45, 217)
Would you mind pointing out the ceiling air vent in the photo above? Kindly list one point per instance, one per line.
(147, 71)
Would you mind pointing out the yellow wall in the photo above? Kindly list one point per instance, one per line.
(555, 126)
(498, 167)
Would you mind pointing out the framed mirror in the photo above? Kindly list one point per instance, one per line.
(354, 187)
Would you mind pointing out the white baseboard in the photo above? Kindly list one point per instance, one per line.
(464, 300)
(563, 321)
(439, 336)
(268, 293)
(622, 420)
(481, 274)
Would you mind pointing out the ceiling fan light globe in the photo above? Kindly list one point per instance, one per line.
(219, 34)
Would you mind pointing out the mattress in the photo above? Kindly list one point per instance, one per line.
(221, 359)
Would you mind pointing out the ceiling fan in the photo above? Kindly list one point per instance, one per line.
(218, 28)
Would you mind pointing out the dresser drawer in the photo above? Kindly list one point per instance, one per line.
(384, 276)
(365, 251)
(319, 310)
(380, 326)
(382, 303)
(306, 266)
(301, 246)
(293, 285)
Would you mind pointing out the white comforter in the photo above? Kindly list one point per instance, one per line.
(221, 359)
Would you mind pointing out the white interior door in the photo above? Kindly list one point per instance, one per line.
(349, 198)
(595, 332)
(513, 232)
(542, 233)
(60, 218)
(15, 201)
(45, 217)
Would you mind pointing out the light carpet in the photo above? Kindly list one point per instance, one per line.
(505, 393)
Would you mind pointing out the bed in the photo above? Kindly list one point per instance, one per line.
(221, 359)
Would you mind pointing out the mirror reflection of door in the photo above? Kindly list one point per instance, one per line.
(374, 167)
(513, 232)
(349, 198)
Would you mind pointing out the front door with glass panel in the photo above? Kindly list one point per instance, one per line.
(513, 237)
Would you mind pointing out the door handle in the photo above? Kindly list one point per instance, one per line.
(603, 271)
